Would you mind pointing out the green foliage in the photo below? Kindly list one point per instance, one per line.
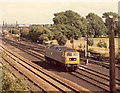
(62, 40)
(106, 15)
(115, 16)
(63, 23)
(15, 31)
(70, 24)
(90, 42)
(41, 34)
(96, 26)
(67, 17)
(43, 38)
(119, 28)
(102, 44)
(24, 32)
(9, 83)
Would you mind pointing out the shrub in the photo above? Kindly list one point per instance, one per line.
(90, 42)
(102, 44)
(105, 45)
(24, 32)
(15, 31)
(80, 46)
(9, 83)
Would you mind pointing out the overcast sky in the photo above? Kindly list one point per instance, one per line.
(41, 11)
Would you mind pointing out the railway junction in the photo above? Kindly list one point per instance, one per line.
(27, 59)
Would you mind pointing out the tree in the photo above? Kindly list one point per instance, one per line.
(96, 25)
(43, 38)
(61, 40)
(115, 16)
(63, 22)
(48, 33)
(106, 15)
(119, 28)
(34, 33)
(42, 34)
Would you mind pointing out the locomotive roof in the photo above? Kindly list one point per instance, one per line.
(61, 48)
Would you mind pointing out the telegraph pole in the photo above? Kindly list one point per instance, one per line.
(86, 46)
(19, 33)
(72, 37)
(3, 27)
(112, 55)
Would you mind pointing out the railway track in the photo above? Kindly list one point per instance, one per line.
(99, 79)
(103, 64)
(95, 78)
(47, 81)
(15, 73)
(104, 76)
(35, 47)
(40, 49)
(83, 73)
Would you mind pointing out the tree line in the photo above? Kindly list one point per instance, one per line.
(69, 24)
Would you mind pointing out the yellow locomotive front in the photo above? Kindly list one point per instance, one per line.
(72, 60)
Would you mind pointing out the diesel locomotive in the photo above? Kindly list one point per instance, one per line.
(63, 56)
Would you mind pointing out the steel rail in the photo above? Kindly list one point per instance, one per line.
(43, 71)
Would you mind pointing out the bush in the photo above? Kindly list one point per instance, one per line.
(102, 44)
(105, 45)
(9, 83)
(24, 33)
(15, 31)
(80, 46)
(90, 42)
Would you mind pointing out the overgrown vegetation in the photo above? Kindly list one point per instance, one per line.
(80, 46)
(14, 31)
(90, 42)
(9, 83)
(102, 44)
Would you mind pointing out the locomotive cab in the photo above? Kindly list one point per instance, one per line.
(72, 60)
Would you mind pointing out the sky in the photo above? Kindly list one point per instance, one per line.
(42, 11)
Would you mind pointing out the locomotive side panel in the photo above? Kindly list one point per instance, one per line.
(55, 55)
